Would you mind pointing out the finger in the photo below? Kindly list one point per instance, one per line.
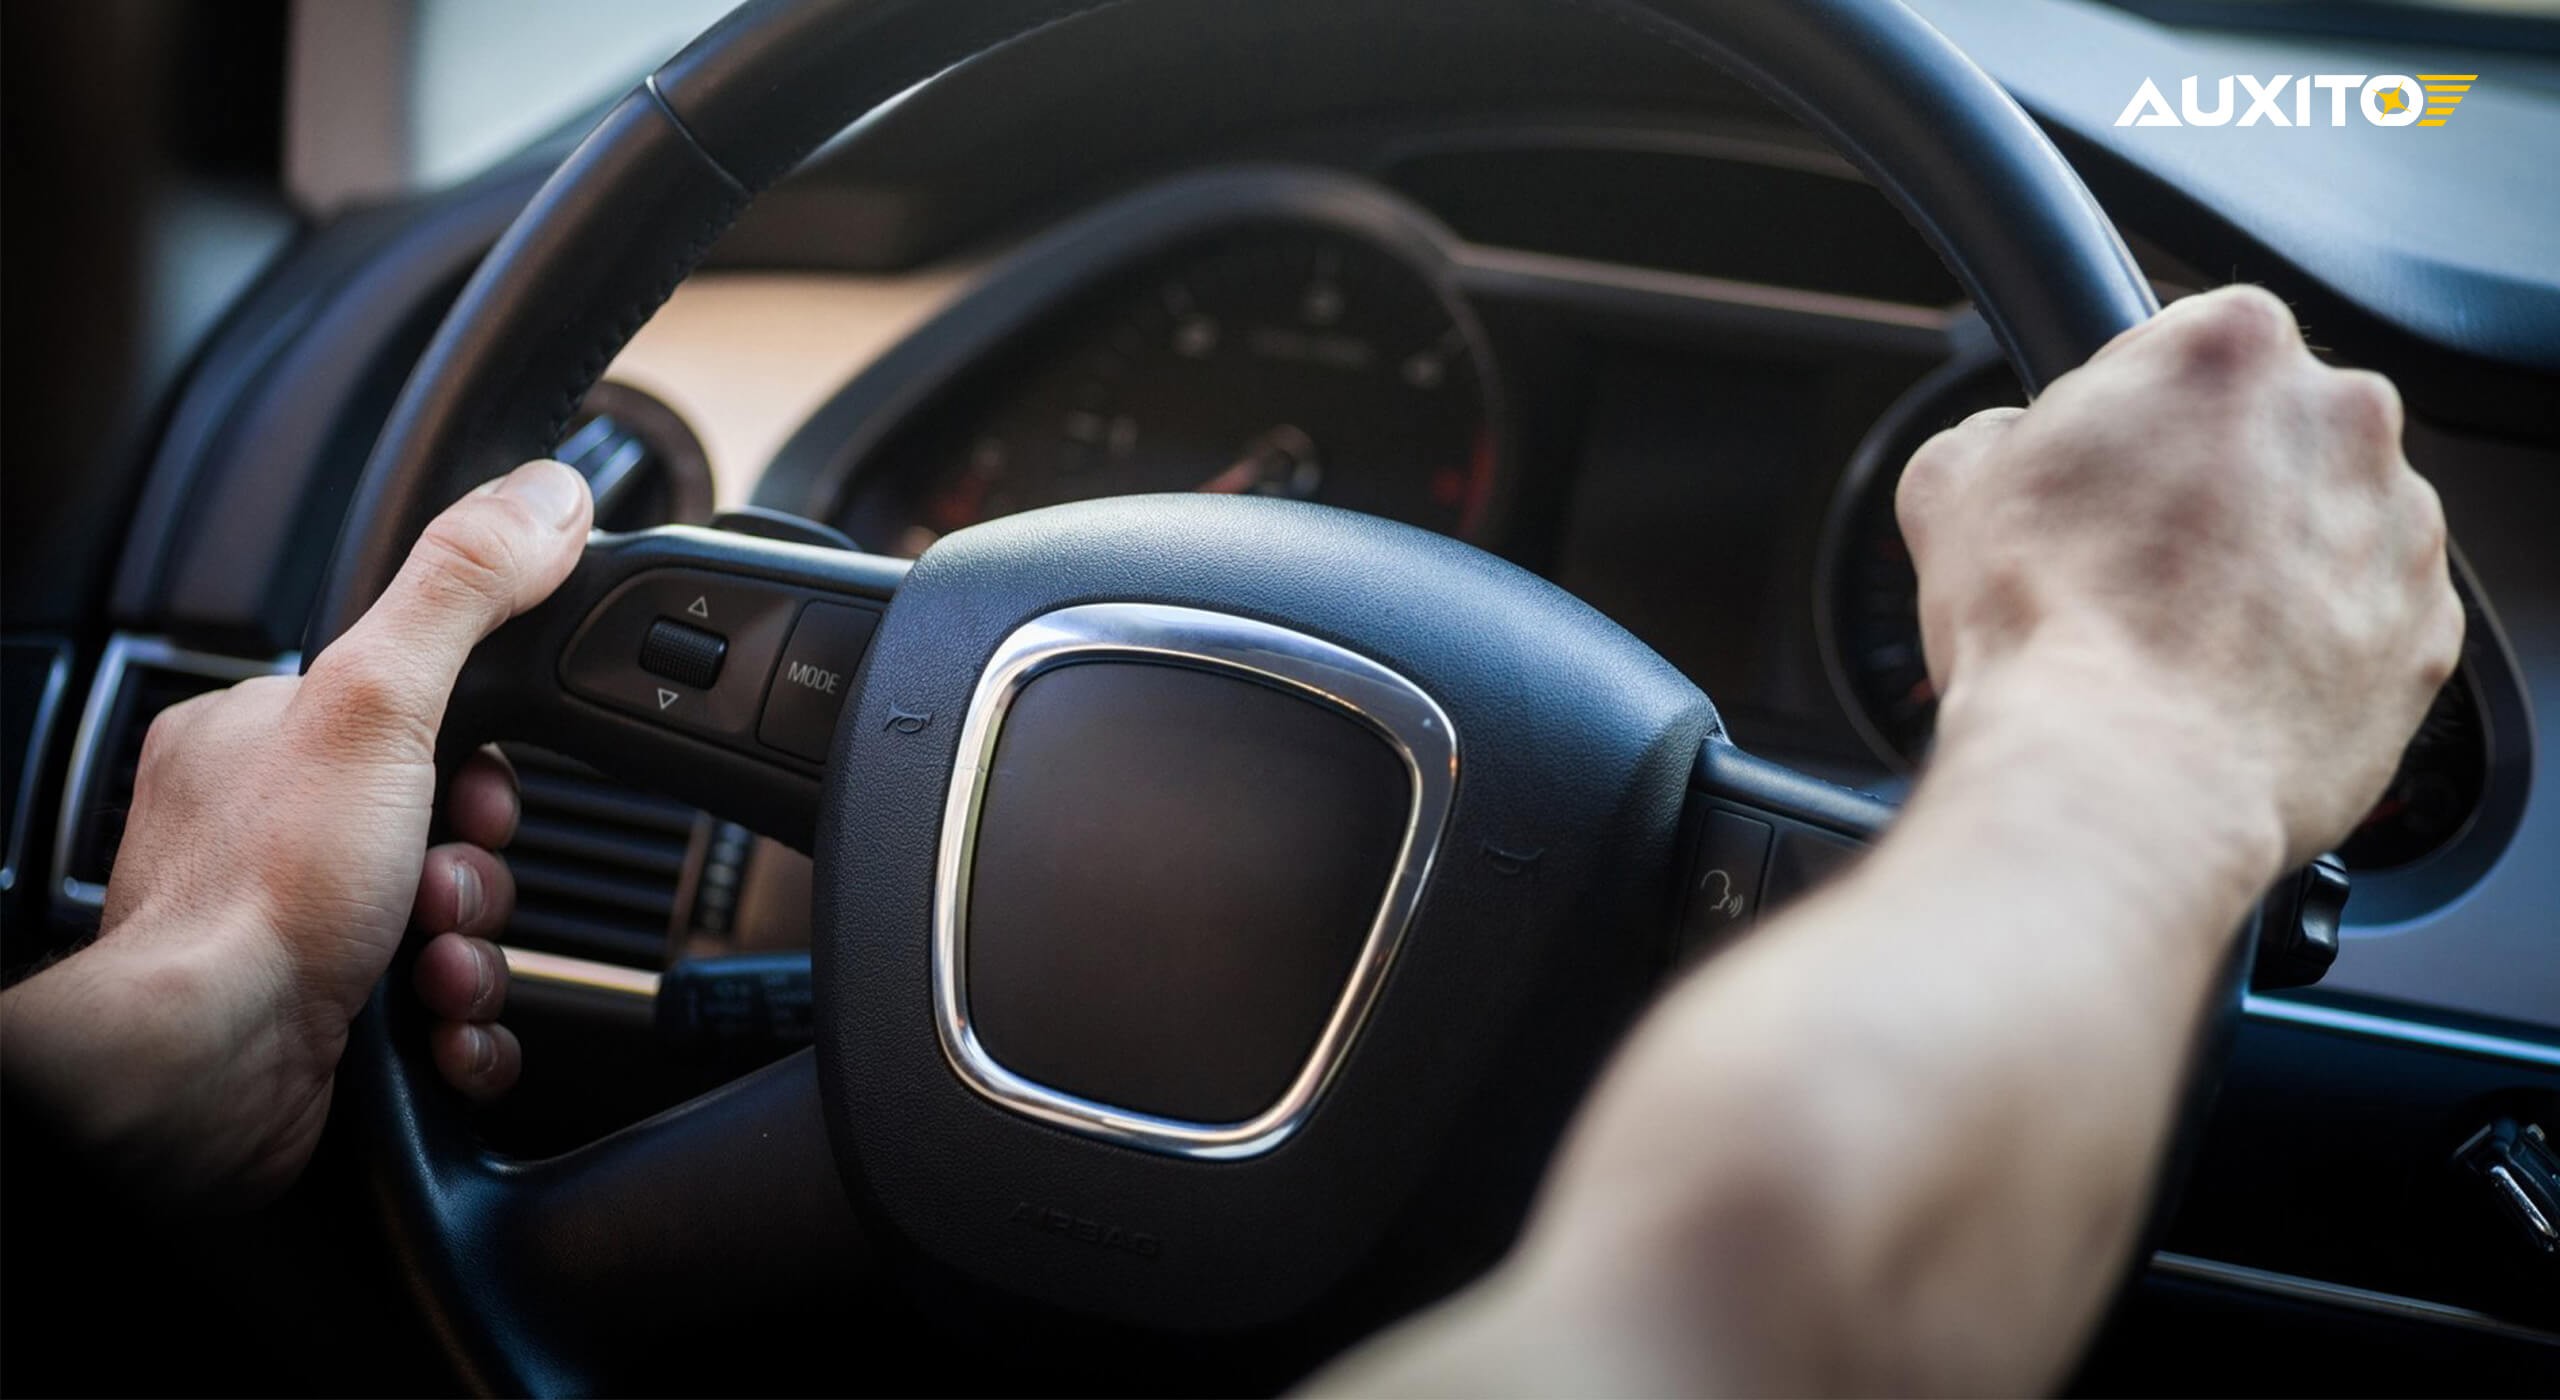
(2251, 305)
(482, 807)
(491, 555)
(462, 979)
(1937, 471)
(463, 888)
(2220, 336)
(2150, 326)
(2366, 409)
(1950, 451)
(481, 1061)
(2441, 653)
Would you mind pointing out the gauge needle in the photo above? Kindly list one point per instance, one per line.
(1238, 479)
(1281, 462)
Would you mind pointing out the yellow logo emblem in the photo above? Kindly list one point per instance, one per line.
(2444, 93)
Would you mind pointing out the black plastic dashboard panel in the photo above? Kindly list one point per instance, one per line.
(2493, 951)
(2331, 1158)
(229, 537)
(1669, 202)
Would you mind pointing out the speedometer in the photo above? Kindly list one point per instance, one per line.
(1288, 361)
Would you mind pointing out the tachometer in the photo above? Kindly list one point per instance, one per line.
(1274, 360)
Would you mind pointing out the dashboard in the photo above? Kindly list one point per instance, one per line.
(1513, 283)
(1298, 331)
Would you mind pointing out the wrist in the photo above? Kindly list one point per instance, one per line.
(161, 1055)
(2091, 736)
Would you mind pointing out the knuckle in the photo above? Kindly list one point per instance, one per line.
(2435, 538)
(1923, 474)
(1937, 470)
(2443, 654)
(2436, 668)
(2234, 327)
(165, 738)
(465, 554)
(1916, 496)
(2368, 404)
(2421, 515)
(2456, 630)
(1937, 461)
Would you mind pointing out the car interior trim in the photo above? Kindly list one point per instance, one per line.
(2340, 1295)
(1491, 270)
(561, 970)
(745, 356)
(1412, 723)
(1737, 140)
(57, 681)
(258, 422)
(124, 652)
(2399, 1029)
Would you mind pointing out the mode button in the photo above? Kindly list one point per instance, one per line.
(809, 685)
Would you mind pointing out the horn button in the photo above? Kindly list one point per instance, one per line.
(1222, 899)
(1185, 846)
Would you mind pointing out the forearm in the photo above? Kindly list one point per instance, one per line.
(1901, 1138)
(145, 1050)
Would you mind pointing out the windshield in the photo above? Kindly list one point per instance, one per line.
(2525, 24)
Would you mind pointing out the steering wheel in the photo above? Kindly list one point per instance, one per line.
(1220, 901)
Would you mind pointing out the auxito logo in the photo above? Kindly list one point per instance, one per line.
(2383, 99)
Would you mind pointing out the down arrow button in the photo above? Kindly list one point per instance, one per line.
(816, 670)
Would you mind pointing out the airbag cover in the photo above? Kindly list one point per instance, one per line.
(1174, 871)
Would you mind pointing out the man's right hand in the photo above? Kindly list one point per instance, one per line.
(2184, 614)
(2204, 522)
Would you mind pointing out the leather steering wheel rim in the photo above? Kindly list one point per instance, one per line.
(641, 200)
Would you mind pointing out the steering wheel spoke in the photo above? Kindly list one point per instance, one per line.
(1757, 834)
(725, 1209)
(703, 664)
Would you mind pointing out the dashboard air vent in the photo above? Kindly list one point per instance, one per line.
(600, 868)
(138, 677)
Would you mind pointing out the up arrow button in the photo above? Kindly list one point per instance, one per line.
(700, 607)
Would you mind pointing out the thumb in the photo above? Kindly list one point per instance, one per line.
(489, 556)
